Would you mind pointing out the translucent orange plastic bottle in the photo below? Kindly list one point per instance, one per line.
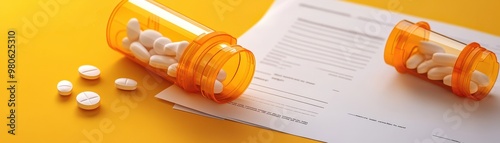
(405, 40)
(208, 50)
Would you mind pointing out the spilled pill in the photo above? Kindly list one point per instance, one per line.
(88, 100)
(172, 70)
(414, 61)
(429, 48)
(64, 87)
(140, 52)
(480, 78)
(125, 84)
(438, 73)
(133, 29)
(148, 37)
(89, 72)
(181, 46)
(218, 87)
(444, 59)
(161, 62)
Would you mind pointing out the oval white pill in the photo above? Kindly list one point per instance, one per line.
(161, 62)
(218, 87)
(181, 47)
(447, 80)
(133, 29)
(473, 87)
(89, 72)
(480, 78)
(140, 52)
(438, 73)
(64, 87)
(88, 100)
(444, 59)
(126, 44)
(414, 61)
(425, 66)
(125, 84)
(170, 49)
(160, 46)
(172, 70)
(148, 37)
(429, 48)
(222, 75)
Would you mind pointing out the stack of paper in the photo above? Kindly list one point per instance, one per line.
(321, 75)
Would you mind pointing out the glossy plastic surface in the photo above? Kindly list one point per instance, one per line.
(405, 39)
(208, 51)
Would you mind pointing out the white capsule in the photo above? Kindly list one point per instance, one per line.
(473, 87)
(425, 66)
(444, 59)
(447, 80)
(222, 75)
(148, 37)
(64, 87)
(161, 62)
(88, 100)
(164, 46)
(89, 72)
(133, 29)
(172, 70)
(218, 87)
(438, 73)
(429, 48)
(140, 52)
(181, 47)
(414, 61)
(125, 84)
(126, 44)
(480, 78)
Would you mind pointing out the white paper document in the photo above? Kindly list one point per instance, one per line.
(321, 75)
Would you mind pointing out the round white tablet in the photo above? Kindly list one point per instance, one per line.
(88, 100)
(89, 72)
(218, 87)
(125, 84)
(64, 87)
(222, 75)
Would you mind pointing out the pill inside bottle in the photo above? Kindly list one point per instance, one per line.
(162, 40)
(467, 70)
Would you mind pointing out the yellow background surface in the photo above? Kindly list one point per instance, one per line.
(71, 33)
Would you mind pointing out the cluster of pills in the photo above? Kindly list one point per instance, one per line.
(151, 47)
(90, 100)
(431, 59)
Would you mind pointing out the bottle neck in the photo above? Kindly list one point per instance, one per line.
(206, 56)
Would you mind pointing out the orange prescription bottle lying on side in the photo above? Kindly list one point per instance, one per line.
(206, 56)
(468, 70)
